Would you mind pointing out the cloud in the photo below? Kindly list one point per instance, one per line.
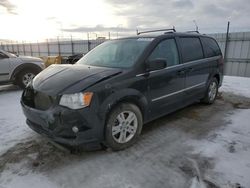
(98, 28)
(9, 6)
(51, 18)
(183, 4)
(211, 16)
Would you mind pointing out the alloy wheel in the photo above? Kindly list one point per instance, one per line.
(27, 78)
(125, 127)
(212, 91)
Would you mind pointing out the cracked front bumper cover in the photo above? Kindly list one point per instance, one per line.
(56, 123)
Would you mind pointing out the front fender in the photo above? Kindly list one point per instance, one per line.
(124, 95)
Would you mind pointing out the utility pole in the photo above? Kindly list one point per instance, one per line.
(72, 45)
(88, 42)
(48, 47)
(38, 47)
(226, 42)
(59, 47)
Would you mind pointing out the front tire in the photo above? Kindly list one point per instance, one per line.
(211, 92)
(123, 126)
(24, 77)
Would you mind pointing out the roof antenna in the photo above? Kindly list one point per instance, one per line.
(174, 28)
(196, 26)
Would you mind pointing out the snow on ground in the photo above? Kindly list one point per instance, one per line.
(230, 147)
(192, 148)
(24, 178)
(236, 85)
(12, 122)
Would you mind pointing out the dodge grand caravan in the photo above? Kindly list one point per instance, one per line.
(107, 96)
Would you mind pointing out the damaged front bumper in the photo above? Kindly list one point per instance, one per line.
(65, 126)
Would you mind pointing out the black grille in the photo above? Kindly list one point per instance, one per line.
(42, 101)
(38, 100)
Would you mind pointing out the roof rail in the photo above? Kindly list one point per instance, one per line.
(158, 30)
(192, 31)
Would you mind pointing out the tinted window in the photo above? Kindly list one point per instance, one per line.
(166, 50)
(210, 47)
(191, 49)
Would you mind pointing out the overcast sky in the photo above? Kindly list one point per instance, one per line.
(40, 19)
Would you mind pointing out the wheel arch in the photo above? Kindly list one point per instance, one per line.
(217, 76)
(25, 66)
(124, 96)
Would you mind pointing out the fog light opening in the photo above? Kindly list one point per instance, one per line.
(75, 129)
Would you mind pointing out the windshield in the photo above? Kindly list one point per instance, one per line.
(121, 53)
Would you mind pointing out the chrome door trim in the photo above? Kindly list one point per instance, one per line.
(183, 64)
(180, 91)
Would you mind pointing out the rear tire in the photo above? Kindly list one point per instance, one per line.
(24, 77)
(211, 92)
(123, 126)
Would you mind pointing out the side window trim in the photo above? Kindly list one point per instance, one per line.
(180, 48)
(203, 43)
(177, 48)
(182, 65)
(203, 52)
(177, 40)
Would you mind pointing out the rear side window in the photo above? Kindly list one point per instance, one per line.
(210, 46)
(167, 50)
(191, 49)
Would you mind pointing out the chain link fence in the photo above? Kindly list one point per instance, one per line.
(237, 62)
(58, 47)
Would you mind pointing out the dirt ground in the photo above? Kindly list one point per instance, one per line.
(163, 156)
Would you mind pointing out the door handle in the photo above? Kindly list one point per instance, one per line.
(181, 72)
(190, 69)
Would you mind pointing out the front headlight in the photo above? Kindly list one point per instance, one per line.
(77, 100)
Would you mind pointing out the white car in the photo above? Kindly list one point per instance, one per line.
(19, 70)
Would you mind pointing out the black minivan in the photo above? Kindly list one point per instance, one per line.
(107, 96)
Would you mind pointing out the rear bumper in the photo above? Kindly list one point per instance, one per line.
(56, 123)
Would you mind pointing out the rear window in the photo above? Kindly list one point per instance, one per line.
(191, 49)
(210, 46)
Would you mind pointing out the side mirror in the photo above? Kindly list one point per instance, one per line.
(156, 64)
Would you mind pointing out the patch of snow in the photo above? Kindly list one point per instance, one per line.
(230, 147)
(13, 128)
(236, 85)
(15, 176)
(195, 183)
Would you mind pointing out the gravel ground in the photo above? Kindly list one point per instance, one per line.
(196, 147)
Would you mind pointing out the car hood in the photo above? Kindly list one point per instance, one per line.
(66, 79)
(28, 59)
